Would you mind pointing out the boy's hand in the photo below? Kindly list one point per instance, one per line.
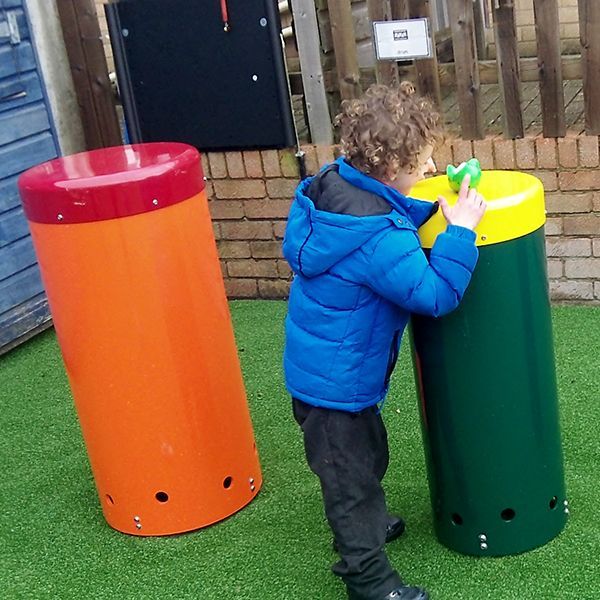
(469, 208)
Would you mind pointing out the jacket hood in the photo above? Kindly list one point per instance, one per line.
(315, 240)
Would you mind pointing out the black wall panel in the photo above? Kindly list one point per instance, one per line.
(183, 78)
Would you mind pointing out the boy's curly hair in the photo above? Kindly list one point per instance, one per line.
(385, 130)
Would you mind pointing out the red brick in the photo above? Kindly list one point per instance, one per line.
(597, 289)
(274, 288)
(235, 165)
(217, 231)
(209, 190)
(281, 188)
(205, 165)
(226, 209)
(549, 180)
(279, 229)
(546, 153)
(234, 249)
(247, 230)
(443, 156)
(568, 247)
(568, 203)
(324, 154)
(583, 225)
(223, 265)
(596, 247)
(554, 226)
(555, 268)
(288, 163)
(504, 152)
(253, 268)
(596, 203)
(242, 188)
(253, 164)
(241, 288)
(218, 167)
(267, 209)
(582, 268)
(483, 151)
(588, 151)
(571, 290)
(270, 160)
(525, 151)
(266, 249)
(462, 151)
(284, 269)
(579, 180)
(310, 158)
(567, 152)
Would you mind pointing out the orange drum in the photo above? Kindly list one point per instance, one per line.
(128, 258)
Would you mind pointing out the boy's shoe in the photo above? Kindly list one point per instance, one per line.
(406, 592)
(394, 530)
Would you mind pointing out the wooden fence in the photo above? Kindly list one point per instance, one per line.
(467, 72)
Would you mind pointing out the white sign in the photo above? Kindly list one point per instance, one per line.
(402, 40)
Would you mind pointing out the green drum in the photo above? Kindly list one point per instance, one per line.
(486, 380)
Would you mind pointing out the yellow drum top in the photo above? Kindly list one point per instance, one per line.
(515, 206)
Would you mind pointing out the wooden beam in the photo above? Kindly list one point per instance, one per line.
(488, 72)
(309, 50)
(549, 65)
(467, 72)
(428, 80)
(508, 67)
(589, 28)
(399, 9)
(344, 44)
(386, 70)
(85, 51)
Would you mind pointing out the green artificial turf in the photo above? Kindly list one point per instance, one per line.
(56, 544)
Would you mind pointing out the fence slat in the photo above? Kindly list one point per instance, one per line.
(508, 67)
(307, 38)
(399, 9)
(549, 65)
(428, 80)
(386, 70)
(589, 27)
(85, 51)
(344, 44)
(467, 69)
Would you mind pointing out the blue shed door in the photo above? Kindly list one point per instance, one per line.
(26, 139)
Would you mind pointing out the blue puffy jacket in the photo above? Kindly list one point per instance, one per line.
(359, 272)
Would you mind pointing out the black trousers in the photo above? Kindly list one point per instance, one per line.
(349, 453)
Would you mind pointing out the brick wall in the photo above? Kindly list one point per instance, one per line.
(568, 17)
(104, 31)
(250, 195)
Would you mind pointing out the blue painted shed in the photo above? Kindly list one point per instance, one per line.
(27, 137)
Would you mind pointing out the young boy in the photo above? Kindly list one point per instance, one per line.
(351, 240)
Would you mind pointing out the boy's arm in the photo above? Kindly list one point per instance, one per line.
(400, 271)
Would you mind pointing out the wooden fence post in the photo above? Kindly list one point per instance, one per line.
(85, 51)
(309, 50)
(386, 70)
(508, 67)
(467, 69)
(399, 9)
(344, 45)
(549, 65)
(589, 27)
(428, 78)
